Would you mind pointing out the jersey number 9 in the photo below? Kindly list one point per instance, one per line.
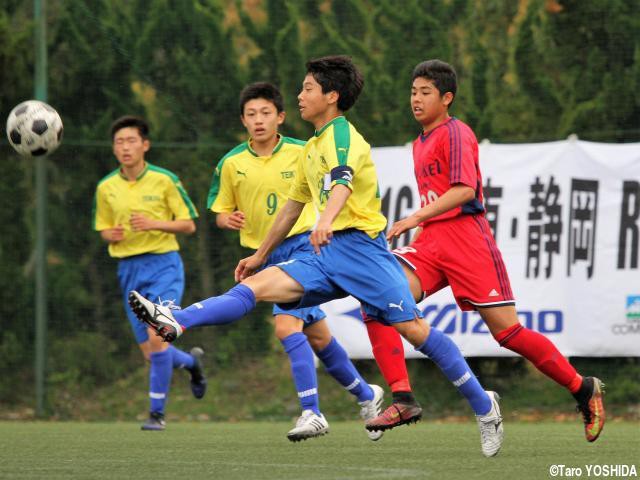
(272, 203)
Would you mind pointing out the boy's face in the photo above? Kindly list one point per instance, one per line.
(261, 119)
(129, 147)
(427, 104)
(312, 102)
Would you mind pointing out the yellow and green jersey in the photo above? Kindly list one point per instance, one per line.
(337, 144)
(258, 187)
(157, 193)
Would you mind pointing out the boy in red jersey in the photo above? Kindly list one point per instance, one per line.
(454, 245)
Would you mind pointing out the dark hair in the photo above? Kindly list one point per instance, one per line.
(131, 121)
(265, 90)
(440, 73)
(338, 73)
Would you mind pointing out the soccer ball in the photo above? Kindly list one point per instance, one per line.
(34, 128)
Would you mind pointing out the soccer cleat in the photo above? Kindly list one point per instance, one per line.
(592, 409)
(198, 379)
(158, 317)
(491, 430)
(308, 425)
(155, 422)
(396, 414)
(371, 409)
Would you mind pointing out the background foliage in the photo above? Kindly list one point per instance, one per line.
(530, 70)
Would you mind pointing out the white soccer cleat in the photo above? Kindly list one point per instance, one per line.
(491, 431)
(308, 425)
(371, 409)
(158, 317)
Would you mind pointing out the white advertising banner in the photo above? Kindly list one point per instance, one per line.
(566, 216)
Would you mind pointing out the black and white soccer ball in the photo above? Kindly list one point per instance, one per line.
(34, 128)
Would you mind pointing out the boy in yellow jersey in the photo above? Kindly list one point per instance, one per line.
(138, 209)
(336, 174)
(249, 186)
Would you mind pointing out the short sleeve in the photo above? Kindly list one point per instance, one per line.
(179, 202)
(344, 158)
(102, 212)
(300, 191)
(221, 197)
(461, 152)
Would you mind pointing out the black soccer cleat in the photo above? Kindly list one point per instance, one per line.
(198, 378)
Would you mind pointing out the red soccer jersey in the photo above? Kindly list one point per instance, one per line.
(446, 156)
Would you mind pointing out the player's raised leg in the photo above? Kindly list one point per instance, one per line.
(269, 285)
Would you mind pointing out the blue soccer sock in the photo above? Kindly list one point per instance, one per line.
(180, 359)
(441, 349)
(303, 370)
(339, 366)
(226, 308)
(159, 379)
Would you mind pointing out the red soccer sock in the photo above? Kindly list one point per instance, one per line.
(540, 351)
(389, 354)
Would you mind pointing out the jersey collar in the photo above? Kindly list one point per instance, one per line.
(275, 150)
(423, 136)
(336, 120)
(140, 175)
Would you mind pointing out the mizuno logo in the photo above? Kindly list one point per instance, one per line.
(397, 305)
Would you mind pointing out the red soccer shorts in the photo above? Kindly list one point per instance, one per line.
(460, 252)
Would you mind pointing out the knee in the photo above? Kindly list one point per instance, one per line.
(255, 285)
(318, 343)
(284, 330)
(155, 345)
(415, 331)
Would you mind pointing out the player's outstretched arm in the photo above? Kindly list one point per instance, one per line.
(454, 197)
(323, 232)
(281, 227)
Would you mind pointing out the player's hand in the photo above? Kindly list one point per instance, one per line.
(140, 223)
(248, 266)
(113, 235)
(402, 226)
(321, 236)
(234, 221)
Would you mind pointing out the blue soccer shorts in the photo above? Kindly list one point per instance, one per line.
(295, 247)
(354, 264)
(158, 277)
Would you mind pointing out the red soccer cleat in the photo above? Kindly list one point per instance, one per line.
(395, 415)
